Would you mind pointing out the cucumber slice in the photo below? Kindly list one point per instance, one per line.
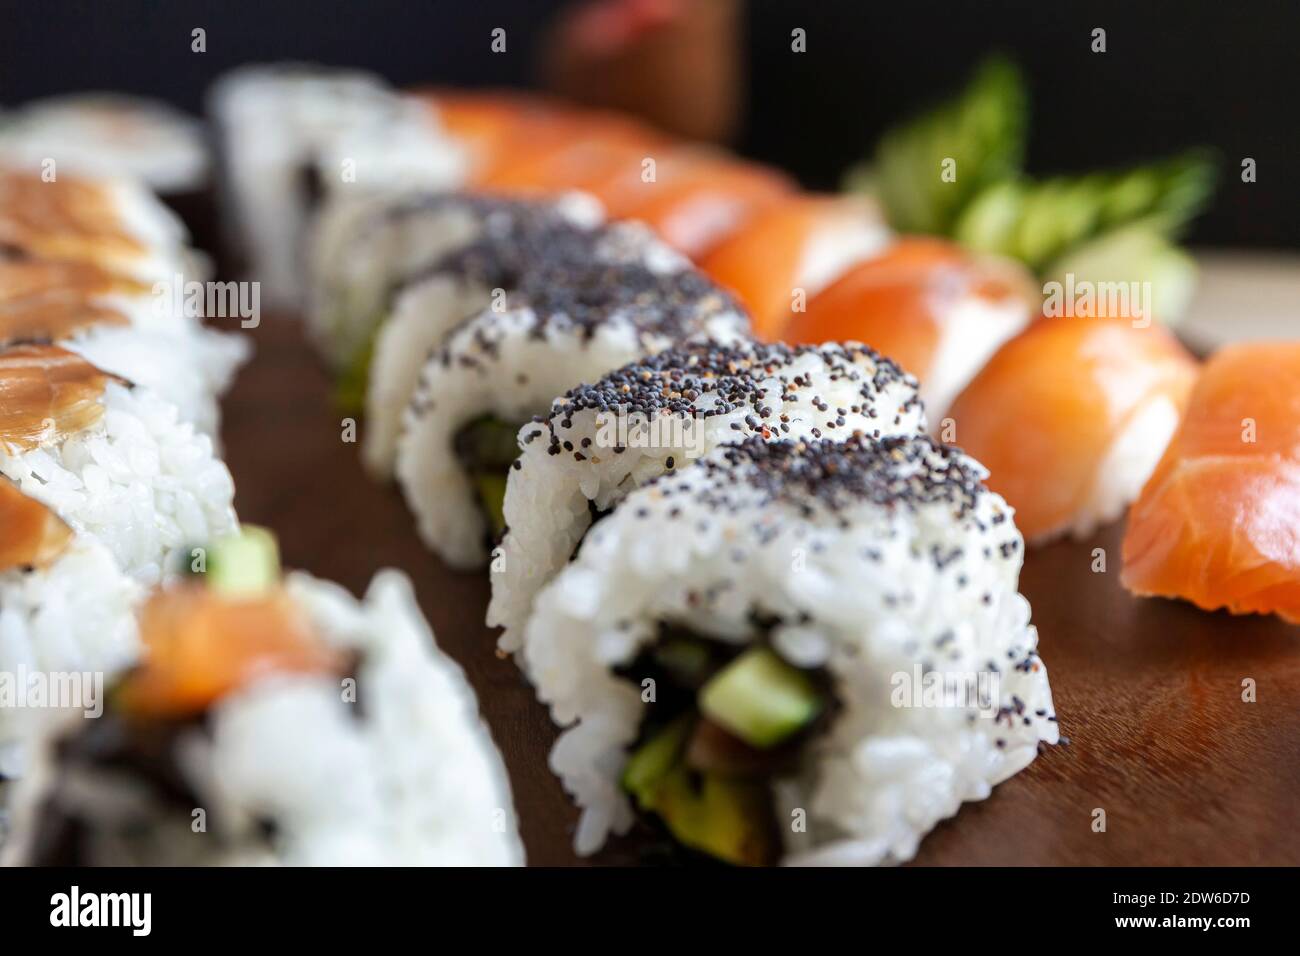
(760, 698)
(244, 565)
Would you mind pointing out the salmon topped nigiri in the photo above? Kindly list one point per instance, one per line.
(33, 535)
(800, 245)
(1218, 523)
(694, 198)
(928, 305)
(1071, 416)
(47, 392)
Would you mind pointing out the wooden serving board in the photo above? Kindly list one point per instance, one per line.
(1149, 692)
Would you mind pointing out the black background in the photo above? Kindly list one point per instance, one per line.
(1224, 74)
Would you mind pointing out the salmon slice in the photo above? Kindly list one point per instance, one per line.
(46, 394)
(1218, 523)
(569, 164)
(69, 218)
(803, 243)
(31, 535)
(49, 301)
(199, 647)
(695, 198)
(1070, 418)
(934, 309)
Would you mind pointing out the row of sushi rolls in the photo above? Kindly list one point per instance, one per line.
(737, 459)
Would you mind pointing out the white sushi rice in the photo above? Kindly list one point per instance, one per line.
(548, 495)
(859, 589)
(510, 365)
(1132, 456)
(405, 773)
(76, 616)
(140, 480)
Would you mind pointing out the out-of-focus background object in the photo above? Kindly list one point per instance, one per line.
(1243, 296)
(675, 62)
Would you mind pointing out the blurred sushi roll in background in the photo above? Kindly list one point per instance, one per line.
(589, 301)
(110, 459)
(302, 726)
(794, 250)
(122, 326)
(366, 252)
(114, 223)
(113, 135)
(737, 651)
(937, 311)
(1071, 417)
(64, 608)
(1217, 522)
(291, 134)
(660, 414)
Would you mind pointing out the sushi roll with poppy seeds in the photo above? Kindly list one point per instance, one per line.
(112, 460)
(292, 134)
(662, 413)
(407, 261)
(807, 652)
(588, 301)
(116, 323)
(302, 726)
(65, 609)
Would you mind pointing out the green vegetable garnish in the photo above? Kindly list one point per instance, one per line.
(982, 131)
(760, 698)
(245, 564)
(1039, 221)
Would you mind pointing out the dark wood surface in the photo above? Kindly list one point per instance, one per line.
(1148, 692)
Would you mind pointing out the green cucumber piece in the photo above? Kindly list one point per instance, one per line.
(760, 698)
(244, 565)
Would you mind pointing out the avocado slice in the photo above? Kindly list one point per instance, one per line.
(653, 760)
(492, 495)
(726, 817)
(760, 698)
(245, 564)
(354, 381)
(689, 661)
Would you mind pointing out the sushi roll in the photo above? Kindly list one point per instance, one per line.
(1218, 521)
(301, 727)
(65, 609)
(289, 135)
(662, 413)
(108, 134)
(113, 223)
(588, 302)
(932, 308)
(366, 251)
(1070, 418)
(117, 324)
(112, 460)
(793, 251)
(807, 652)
